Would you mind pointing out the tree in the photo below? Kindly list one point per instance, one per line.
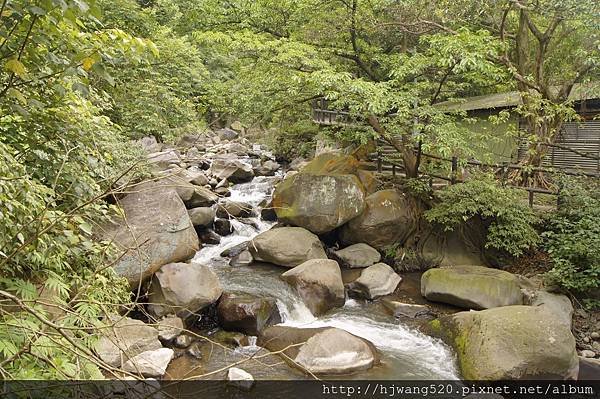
(365, 57)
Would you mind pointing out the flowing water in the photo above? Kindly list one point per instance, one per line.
(405, 352)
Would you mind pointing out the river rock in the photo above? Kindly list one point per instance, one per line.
(169, 328)
(227, 134)
(558, 304)
(319, 203)
(162, 160)
(386, 220)
(150, 363)
(267, 168)
(228, 209)
(222, 227)
(242, 259)
(233, 170)
(511, 343)
(157, 230)
(375, 281)
(208, 236)
(149, 144)
(319, 284)
(471, 287)
(235, 250)
(125, 338)
(202, 216)
(358, 255)
(246, 313)
(240, 378)
(410, 310)
(183, 289)
(182, 341)
(326, 350)
(286, 246)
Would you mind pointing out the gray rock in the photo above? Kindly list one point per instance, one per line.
(202, 216)
(156, 231)
(208, 236)
(182, 341)
(233, 170)
(471, 287)
(242, 259)
(386, 220)
(124, 339)
(286, 246)
(150, 363)
(319, 284)
(588, 353)
(183, 289)
(228, 209)
(267, 168)
(375, 281)
(240, 378)
(595, 335)
(556, 303)
(162, 160)
(358, 255)
(247, 313)
(227, 134)
(149, 144)
(323, 351)
(409, 310)
(169, 328)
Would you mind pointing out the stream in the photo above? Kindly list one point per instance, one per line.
(405, 352)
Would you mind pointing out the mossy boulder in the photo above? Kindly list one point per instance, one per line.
(319, 203)
(472, 287)
(510, 342)
(325, 194)
(387, 220)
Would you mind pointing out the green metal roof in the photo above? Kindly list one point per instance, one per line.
(513, 98)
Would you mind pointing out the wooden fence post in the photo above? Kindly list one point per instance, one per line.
(379, 161)
(531, 198)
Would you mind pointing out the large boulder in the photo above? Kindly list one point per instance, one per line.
(156, 230)
(358, 255)
(511, 343)
(386, 220)
(558, 304)
(472, 287)
(233, 170)
(286, 246)
(125, 338)
(227, 134)
(183, 289)
(192, 196)
(375, 281)
(320, 350)
(164, 159)
(319, 203)
(246, 313)
(319, 284)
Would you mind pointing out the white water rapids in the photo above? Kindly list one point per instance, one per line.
(406, 353)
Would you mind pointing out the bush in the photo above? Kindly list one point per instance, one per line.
(572, 238)
(292, 141)
(509, 222)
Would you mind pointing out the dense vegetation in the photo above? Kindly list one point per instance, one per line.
(81, 78)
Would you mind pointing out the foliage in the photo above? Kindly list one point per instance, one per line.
(572, 237)
(164, 97)
(59, 156)
(293, 140)
(509, 222)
